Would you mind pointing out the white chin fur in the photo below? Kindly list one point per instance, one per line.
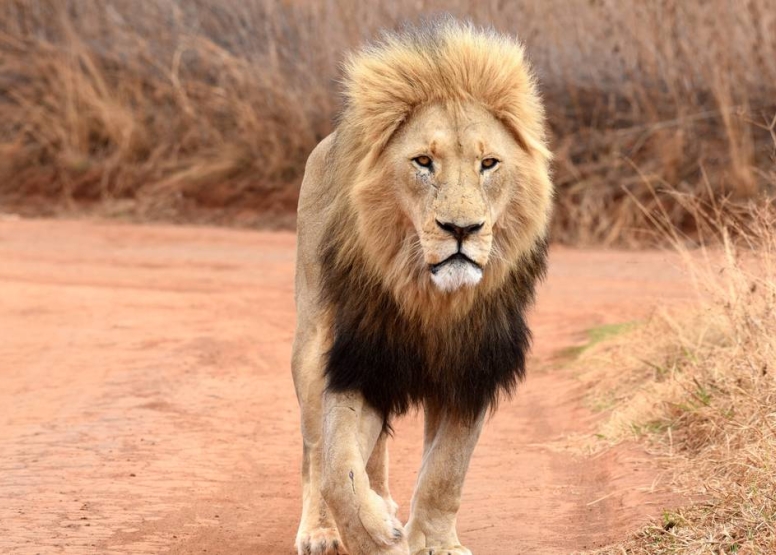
(456, 274)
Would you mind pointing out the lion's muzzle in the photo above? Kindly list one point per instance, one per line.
(459, 269)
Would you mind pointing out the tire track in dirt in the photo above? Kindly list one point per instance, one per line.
(147, 405)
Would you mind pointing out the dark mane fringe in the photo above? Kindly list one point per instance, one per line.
(461, 366)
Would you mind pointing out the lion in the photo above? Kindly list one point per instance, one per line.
(422, 232)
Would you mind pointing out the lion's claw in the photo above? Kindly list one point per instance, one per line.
(321, 541)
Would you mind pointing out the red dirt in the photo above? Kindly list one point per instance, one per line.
(147, 403)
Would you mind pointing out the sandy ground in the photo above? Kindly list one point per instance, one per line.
(146, 402)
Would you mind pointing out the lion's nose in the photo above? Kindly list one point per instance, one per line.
(460, 232)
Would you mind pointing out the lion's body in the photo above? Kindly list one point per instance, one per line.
(388, 315)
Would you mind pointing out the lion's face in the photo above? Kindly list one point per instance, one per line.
(452, 170)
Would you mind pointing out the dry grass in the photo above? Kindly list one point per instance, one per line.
(172, 108)
(700, 389)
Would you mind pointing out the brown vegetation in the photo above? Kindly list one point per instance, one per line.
(167, 109)
(700, 388)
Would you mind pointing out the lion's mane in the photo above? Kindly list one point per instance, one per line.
(395, 338)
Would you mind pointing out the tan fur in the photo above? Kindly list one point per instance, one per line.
(456, 94)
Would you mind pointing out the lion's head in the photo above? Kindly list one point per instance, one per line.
(442, 164)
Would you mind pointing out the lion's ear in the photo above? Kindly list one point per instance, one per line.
(377, 132)
(380, 138)
(531, 141)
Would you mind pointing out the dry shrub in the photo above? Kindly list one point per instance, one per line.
(168, 108)
(699, 386)
(173, 105)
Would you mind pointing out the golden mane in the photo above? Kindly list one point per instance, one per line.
(447, 62)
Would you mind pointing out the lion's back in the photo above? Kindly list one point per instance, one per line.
(312, 213)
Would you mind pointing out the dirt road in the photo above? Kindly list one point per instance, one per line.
(146, 402)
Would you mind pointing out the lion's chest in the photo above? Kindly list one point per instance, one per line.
(395, 365)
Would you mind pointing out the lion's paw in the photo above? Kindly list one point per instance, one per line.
(455, 550)
(320, 541)
(379, 521)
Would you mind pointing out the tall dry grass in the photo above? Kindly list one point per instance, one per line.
(170, 108)
(699, 386)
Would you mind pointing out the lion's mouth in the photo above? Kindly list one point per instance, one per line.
(457, 257)
(455, 272)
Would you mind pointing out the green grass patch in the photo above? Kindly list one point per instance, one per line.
(596, 335)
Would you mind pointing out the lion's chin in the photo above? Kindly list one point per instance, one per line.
(455, 274)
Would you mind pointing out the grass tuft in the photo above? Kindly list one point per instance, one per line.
(596, 335)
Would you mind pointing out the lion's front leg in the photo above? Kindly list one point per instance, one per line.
(364, 520)
(317, 534)
(449, 444)
(377, 470)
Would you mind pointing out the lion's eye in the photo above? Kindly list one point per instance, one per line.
(424, 162)
(489, 163)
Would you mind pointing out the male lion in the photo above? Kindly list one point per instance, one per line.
(422, 232)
